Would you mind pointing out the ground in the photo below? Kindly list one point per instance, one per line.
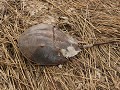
(90, 21)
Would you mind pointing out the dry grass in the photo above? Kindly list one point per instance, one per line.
(90, 21)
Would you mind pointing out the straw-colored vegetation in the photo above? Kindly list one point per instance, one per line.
(90, 21)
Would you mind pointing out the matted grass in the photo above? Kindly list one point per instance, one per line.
(90, 21)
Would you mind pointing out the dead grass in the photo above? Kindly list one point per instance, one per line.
(90, 21)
